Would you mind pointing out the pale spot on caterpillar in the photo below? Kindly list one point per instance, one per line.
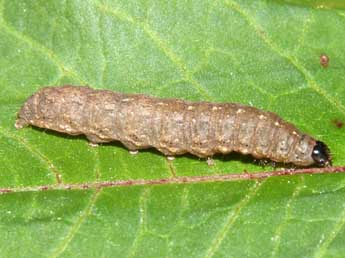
(245, 151)
(126, 99)
(166, 124)
(224, 149)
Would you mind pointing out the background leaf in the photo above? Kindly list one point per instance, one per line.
(260, 53)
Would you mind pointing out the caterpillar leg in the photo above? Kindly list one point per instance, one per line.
(274, 165)
(93, 145)
(93, 139)
(133, 152)
(210, 161)
(262, 162)
(265, 162)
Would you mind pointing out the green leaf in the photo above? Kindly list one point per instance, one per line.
(260, 53)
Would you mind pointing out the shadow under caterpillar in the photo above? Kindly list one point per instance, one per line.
(172, 126)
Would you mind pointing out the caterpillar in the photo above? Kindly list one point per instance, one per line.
(172, 126)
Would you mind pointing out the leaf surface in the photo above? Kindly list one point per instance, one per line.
(260, 53)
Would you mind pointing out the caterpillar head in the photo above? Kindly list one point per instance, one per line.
(37, 108)
(321, 155)
(26, 113)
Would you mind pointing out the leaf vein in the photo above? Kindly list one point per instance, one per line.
(160, 43)
(280, 228)
(177, 180)
(230, 220)
(76, 226)
(305, 28)
(339, 225)
(63, 69)
(37, 153)
(270, 43)
(240, 67)
(142, 221)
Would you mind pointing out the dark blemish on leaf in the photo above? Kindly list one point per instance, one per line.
(2, 191)
(338, 123)
(324, 60)
(248, 174)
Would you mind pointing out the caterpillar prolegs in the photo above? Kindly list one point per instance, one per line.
(172, 126)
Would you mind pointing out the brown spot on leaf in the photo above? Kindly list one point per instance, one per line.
(324, 60)
(338, 123)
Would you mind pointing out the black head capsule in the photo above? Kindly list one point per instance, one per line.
(321, 155)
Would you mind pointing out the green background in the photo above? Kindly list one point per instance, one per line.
(260, 53)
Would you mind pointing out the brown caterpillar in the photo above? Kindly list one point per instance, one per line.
(172, 126)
